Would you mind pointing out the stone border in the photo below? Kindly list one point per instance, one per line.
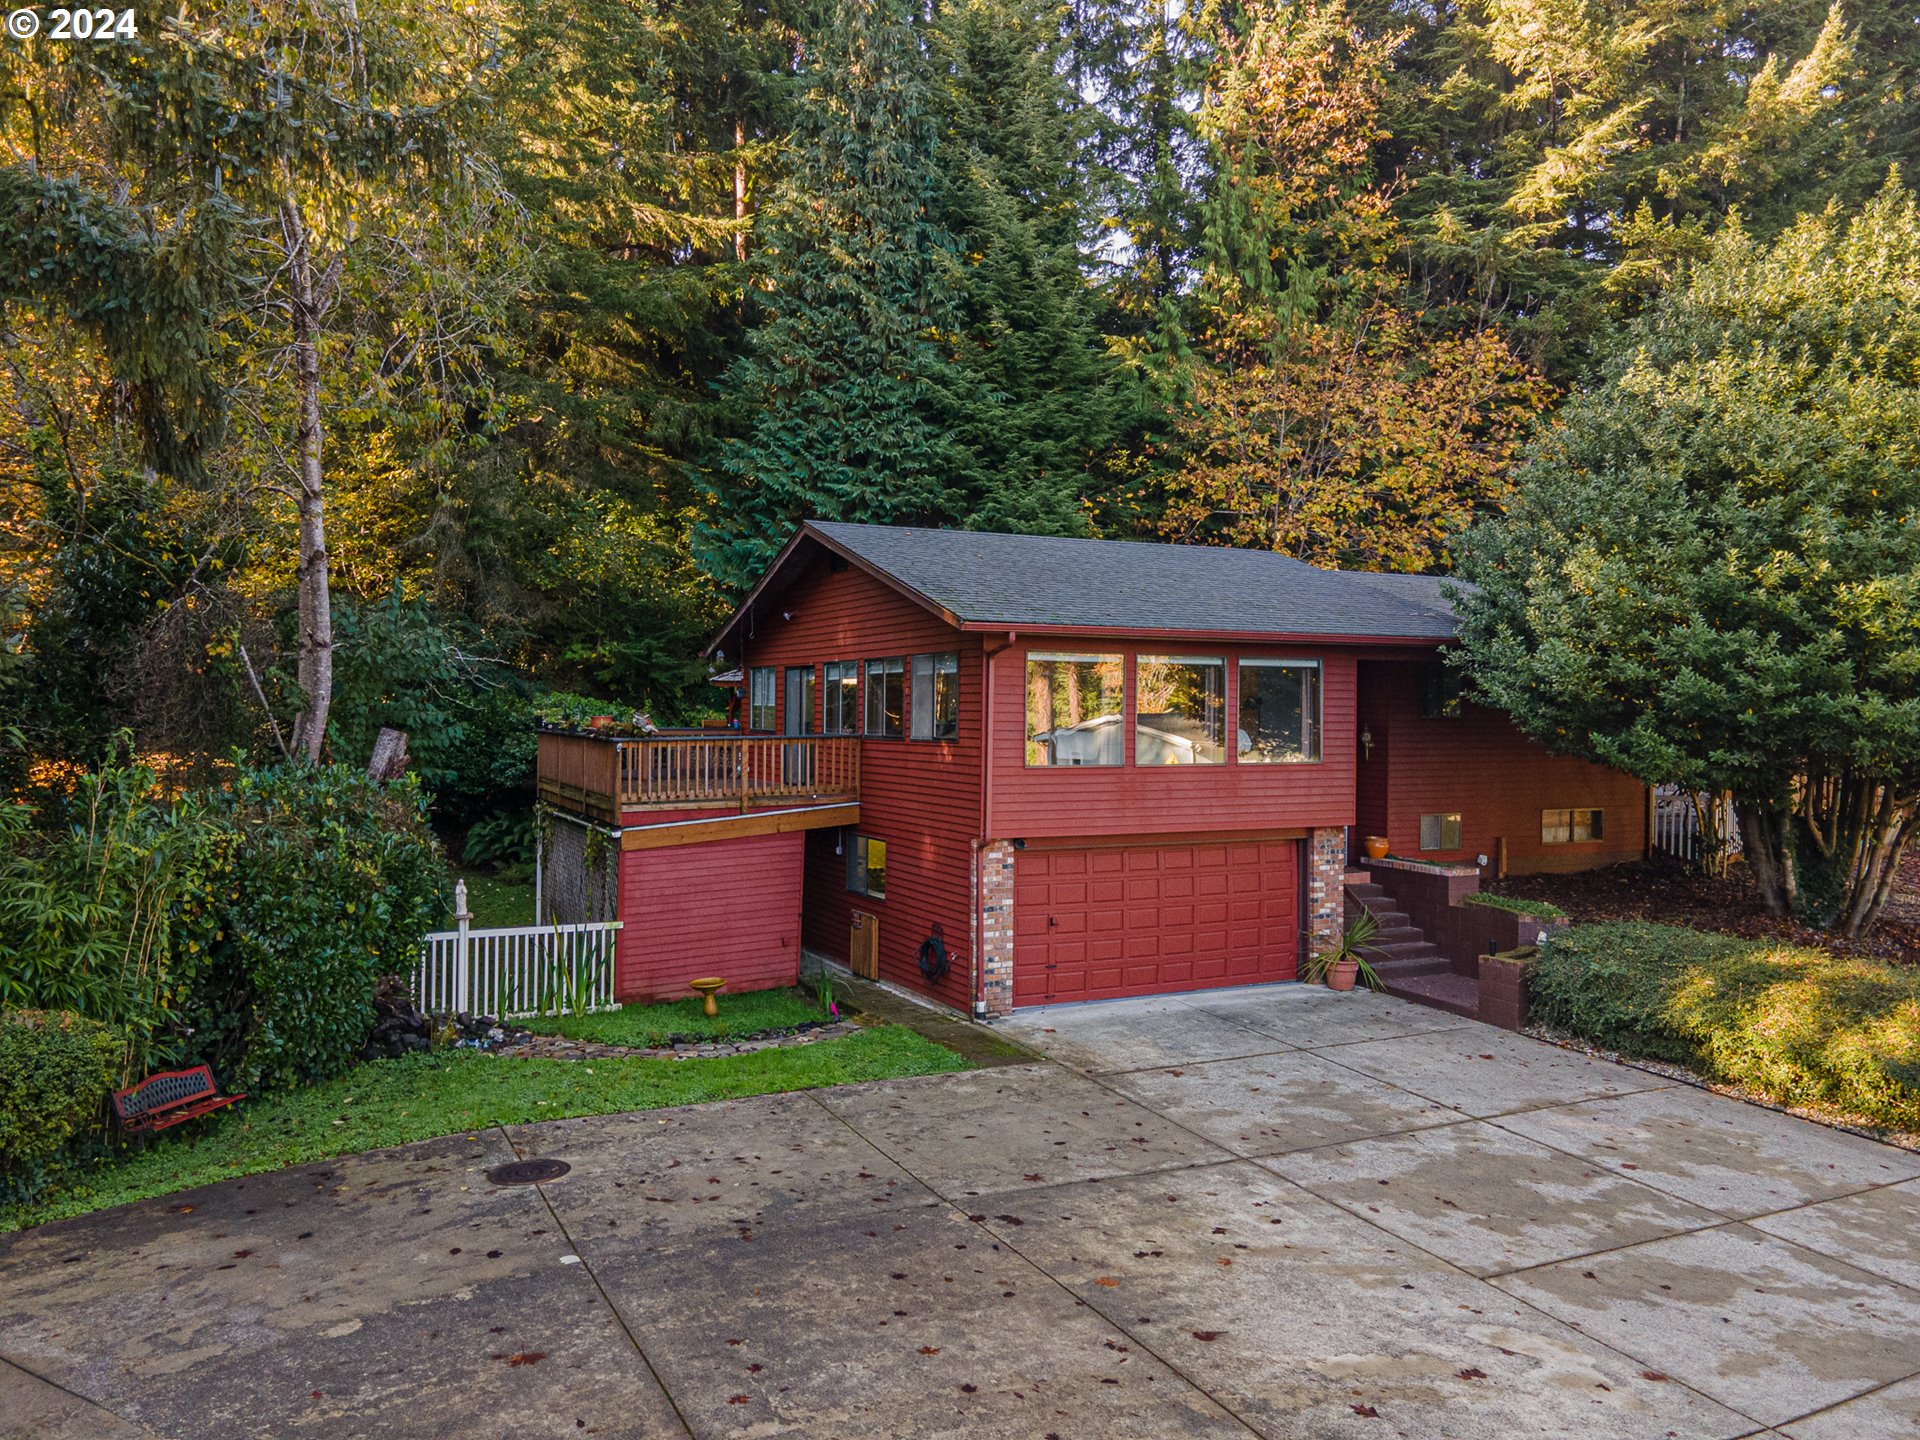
(559, 1047)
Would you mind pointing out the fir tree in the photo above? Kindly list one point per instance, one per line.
(842, 394)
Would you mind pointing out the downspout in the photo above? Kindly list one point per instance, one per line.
(979, 978)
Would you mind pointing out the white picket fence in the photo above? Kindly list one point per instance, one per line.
(516, 970)
(1676, 827)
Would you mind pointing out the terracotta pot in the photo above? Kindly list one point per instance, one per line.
(1376, 847)
(600, 722)
(1342, 973)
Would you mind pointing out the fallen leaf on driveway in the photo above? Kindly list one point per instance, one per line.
(929, 1349)
(1367, 1411)
(1208, 1335)
(1106, 1280)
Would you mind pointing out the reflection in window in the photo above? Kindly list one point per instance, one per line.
(1570, 827)
(1439, 832)
(1440, 692)
(1074, 707)
(760, 698)
(1179, 710)
(936, 697)
(887, 697)
(867, 867)
(1279, 711)
(842, 700)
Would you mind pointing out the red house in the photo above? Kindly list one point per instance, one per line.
(1009, 770)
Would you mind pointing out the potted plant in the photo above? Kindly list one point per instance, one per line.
(1341, 963)
(1376, 847)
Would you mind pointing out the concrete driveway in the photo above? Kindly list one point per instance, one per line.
(1276, 1212)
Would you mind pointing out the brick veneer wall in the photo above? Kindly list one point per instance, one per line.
(996, 926)
(1326, 876)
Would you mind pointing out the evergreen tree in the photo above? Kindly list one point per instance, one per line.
(843, 393)
(1043, 405)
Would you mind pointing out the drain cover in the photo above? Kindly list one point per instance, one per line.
(528, 1172)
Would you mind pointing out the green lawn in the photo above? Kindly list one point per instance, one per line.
(650, 1025)
(392, 1102)
(494, 903)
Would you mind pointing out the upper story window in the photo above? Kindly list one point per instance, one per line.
(1074, 705)
(760, 697)
(1440, 692)
(886, 697)
(840, 714)
(1279, 712)
(799, 699)
(936, 697)
(1179, 710)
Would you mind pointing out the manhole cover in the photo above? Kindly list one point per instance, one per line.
(528, 1172)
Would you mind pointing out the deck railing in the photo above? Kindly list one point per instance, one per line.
(696, 768)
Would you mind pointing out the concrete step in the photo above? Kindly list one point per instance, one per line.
(1364, 893)
(1398, 935)
(1434, 964)
(1404, 950)
(1456, 994)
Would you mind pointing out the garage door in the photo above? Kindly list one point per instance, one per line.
(1150, 919)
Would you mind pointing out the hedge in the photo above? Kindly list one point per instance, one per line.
(56, 1070)
(1799, 1026)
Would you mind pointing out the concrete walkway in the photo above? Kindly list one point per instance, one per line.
(1277, 1212)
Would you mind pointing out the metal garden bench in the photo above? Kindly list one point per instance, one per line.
(169, 1098)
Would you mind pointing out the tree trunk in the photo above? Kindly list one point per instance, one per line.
(1885, 825)
(316, 603)
(1763, 833)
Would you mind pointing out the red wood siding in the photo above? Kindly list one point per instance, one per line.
(1494, 777)
(725, 907)
(1098, 923)
(1169, 799)
(920, 796)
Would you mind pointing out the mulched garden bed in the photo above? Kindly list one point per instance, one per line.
(678, 1047)
(1666, 893)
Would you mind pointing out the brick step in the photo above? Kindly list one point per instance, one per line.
(1456, 994)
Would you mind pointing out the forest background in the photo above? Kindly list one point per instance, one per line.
(439, 365)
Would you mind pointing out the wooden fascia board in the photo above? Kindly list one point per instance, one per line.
(1040, 634)
(734, 827)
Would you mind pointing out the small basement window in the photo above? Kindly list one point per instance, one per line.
(1439, 832)
(936, 697)
(1570, 827)
(867, 867)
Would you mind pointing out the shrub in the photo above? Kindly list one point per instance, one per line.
(56, 1069)
(1515, 905)
(101, 894)
(1800, 1026)
(332, 882)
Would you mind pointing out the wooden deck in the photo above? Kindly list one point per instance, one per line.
(602, 777)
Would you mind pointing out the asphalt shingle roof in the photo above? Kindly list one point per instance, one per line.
(1038, 581)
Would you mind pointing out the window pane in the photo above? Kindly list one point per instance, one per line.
(856, 865)
(760, 698)
(843, 689)
(799, 700)
(886, 696)
(1179, 710)
(1556, 827)
(1440, 697)
(946, 697)
(1073, 709)
(1586, 825)
(1279, 712)
(877, 869)
(1439, 832)
(922, 727)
